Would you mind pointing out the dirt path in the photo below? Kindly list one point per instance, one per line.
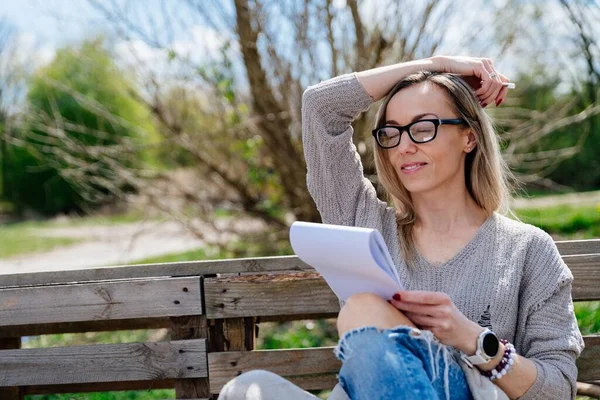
(107, 245)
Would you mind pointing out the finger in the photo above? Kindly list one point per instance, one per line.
(484, 75)
(495, 85)
(503, 92)
(417, 308)
(423, 297)
(424, 320)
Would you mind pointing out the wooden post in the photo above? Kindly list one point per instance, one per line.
(189, 327)
(11, 393)
(231, 334)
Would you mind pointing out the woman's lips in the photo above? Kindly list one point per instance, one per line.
(411, 168)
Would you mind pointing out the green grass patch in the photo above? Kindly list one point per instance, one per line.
(23, 239)
(565, 220)
(125, 395)
(27, 237)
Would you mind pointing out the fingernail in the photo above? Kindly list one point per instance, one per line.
(498, 102)
(484, 105)
(396, 297)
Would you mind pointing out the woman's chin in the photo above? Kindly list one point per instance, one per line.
(415, 187)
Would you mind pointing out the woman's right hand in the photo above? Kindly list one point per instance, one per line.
(479, 73)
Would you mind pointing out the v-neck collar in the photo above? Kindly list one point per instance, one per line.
(462, 253)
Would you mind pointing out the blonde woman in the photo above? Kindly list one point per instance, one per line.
(488, 311)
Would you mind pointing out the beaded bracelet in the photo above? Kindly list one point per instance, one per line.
(507, 361)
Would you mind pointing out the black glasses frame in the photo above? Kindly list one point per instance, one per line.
(436, 122)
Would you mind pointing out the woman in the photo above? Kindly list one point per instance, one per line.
(487, 312)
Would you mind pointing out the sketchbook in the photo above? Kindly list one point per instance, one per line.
(350, 259)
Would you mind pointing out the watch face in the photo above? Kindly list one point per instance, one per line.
(491, 345)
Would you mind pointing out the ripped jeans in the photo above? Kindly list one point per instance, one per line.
(399, 363)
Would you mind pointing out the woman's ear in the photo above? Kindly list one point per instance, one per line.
(471, 141)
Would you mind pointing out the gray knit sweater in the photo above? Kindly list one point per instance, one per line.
(509, 278)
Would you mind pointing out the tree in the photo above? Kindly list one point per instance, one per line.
(79, 131)
(269, 52)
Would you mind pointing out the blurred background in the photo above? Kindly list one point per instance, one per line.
(141, 131)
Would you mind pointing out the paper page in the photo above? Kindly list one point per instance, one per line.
(345, 258)
(382, 251)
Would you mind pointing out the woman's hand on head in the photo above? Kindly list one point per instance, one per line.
(436, 312)
(479, 73)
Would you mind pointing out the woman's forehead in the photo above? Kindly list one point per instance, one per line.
(419, 99)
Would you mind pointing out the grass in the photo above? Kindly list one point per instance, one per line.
(24, 239)
(27, 238)
(566, 221)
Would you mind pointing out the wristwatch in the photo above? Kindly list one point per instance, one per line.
(488, 346)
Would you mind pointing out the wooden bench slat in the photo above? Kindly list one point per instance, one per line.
(588, 363)
(311, 369)
(575, 247)
(316, 369)
(186, 268)
(586, 274)
(104, 363)
(307, 293)
(264, 295)
(100, 301)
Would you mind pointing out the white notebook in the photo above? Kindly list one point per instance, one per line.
(350, 259)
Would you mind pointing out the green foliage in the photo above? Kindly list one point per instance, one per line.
(82, 93)
(588, 317)
(125, 395)
(297, 334)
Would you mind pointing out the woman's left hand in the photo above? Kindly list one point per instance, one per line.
(436, 312)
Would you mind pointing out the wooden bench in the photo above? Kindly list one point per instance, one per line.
(212, 310)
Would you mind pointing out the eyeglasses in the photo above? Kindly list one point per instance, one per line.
(421, 131)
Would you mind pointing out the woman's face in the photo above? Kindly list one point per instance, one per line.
(428, 166)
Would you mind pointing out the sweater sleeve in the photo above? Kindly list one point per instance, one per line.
(548, 333)
(335, 177)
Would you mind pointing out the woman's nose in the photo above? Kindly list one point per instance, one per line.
(406, 145)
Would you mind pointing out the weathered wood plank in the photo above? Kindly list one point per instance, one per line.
(315, 369)
(575, 247)
(588, 363)
(190, 327)
(307, 293)
(104, 363)
(264, 295)
(100, 301)
(188, 268)
(311, 369)
(84, 326)
(14, 392)
(586, 274)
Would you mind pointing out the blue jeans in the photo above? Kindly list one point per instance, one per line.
(399, 363)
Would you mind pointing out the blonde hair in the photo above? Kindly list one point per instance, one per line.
(486, 173)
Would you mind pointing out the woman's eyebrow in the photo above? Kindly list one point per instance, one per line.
(415, 118)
